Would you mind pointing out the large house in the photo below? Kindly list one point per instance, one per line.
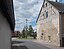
(7, 23)
(50, 23)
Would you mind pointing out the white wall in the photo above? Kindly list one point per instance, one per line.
(5, 33)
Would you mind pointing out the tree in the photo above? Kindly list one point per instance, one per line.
(34, 35)
(18, 34)
(23, 33)
(31, 31)
(26, 31)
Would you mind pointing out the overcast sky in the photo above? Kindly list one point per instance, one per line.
(26, 9)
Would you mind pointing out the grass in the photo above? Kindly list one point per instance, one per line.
(28, 38)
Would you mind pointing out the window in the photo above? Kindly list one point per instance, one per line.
(51, 6)
(42, 34)
(47, 14)
(43, 14)
(49, 37)
(46, 4)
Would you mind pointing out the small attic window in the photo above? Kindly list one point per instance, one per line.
(46, 4)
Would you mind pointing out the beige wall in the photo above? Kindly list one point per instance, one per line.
(5, 33)
(49, 26)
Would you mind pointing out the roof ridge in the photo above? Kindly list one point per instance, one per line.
(59, 6)
(56, 2)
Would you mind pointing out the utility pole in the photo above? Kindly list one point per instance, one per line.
(26, 28)
(26, 22)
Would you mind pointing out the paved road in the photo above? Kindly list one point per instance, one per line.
(30, 44)
(27, 44)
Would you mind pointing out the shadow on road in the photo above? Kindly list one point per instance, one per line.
(19, 47)
(17, 42)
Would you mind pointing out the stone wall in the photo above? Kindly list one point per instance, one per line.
(49, 26)
(51, 29)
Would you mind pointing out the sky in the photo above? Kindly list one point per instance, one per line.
(62, 1)
(27, 9)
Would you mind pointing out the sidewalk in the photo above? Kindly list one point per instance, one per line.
(48, 44)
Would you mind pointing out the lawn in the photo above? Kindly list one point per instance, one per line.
(28, 38)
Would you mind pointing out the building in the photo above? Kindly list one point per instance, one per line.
(7, 23)
(50, 23)
(16, 34)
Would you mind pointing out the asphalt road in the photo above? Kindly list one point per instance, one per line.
(27, 44)
(32, 44)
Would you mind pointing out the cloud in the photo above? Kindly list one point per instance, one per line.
(23, 1)
(26, 9)
(62, 1)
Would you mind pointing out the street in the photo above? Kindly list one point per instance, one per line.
(31, 44)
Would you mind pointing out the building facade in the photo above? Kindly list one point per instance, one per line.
(50, 24)
(7, 23)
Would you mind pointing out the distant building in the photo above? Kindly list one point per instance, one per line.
(50, 23)
(15, 34)
(7, 23)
